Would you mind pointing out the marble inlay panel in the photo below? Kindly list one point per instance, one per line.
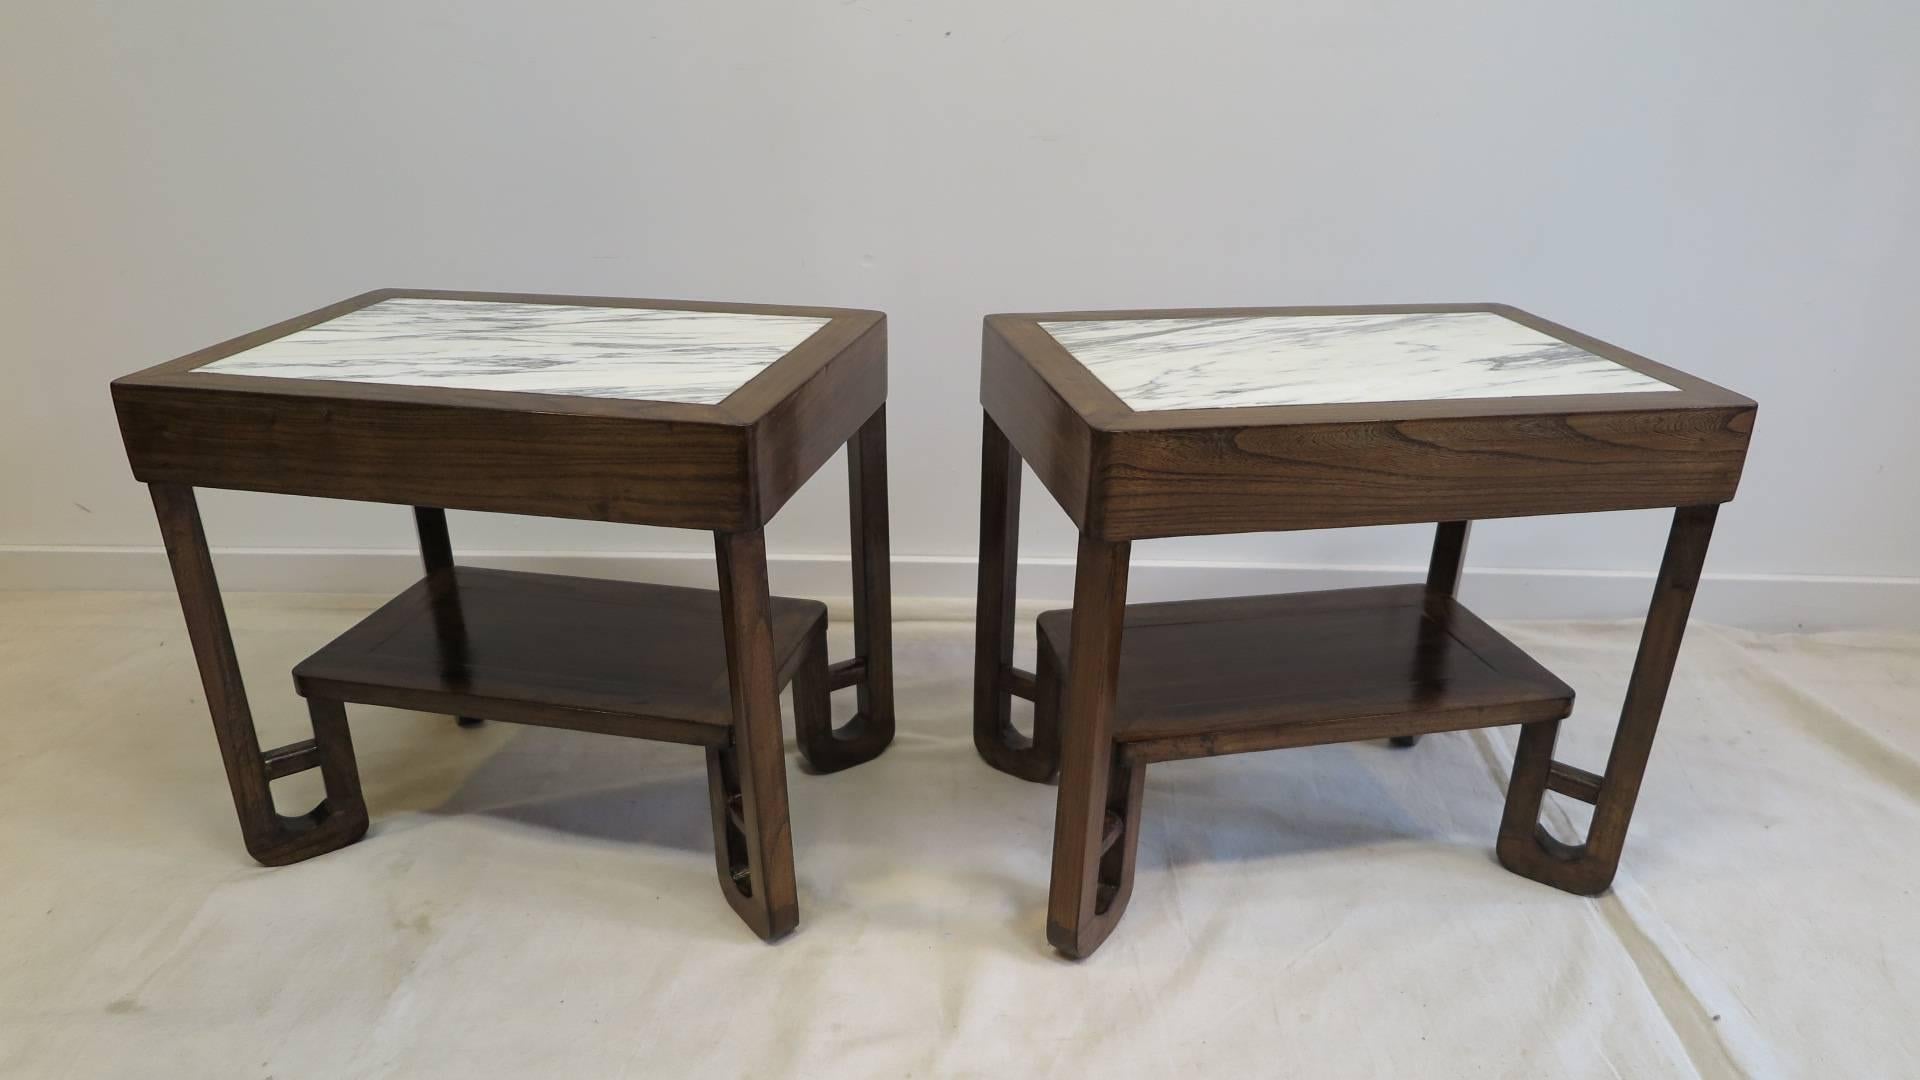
(1232, 362)
(695, 357)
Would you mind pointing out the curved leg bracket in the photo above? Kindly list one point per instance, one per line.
(1001, 745)
(1525, 846)
(1119, 846)
(276, 839)
(861, 739)
(1588, 868)
(735, 855)
(1034, 759)
(995, 680)
(272, 838)
(827, 748)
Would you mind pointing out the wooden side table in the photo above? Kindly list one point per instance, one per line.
(690, 415)
(1181, 423)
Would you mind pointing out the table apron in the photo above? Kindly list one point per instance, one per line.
(644, 472)
(1201, 482)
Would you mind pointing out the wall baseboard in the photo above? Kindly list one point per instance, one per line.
(942, 586)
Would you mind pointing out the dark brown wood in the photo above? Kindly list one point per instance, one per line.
(272, 838)
(849, 672)
(436, 545)
(292, 758)
(862, 738)
(813, 696)
(1257, 479)
(872, 541)
(1119, 844)
(201, 428)
(1048, 427)
(753, 767)
(730, 853)
(1049, 690)
(1020, 683)
(1091, 884)
(1219, 677)
(717, 467)
(1200, 678)
(436, 553)
(1573, 782)
(1449, 558)
(344, 807)
(804, 413)
(615, 657)
(593, 656)
(1126, 475)
(1525, 847)
(995, 738)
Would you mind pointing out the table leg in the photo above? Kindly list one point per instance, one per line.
(1443, 576)
(995, 680)
(753, 843)
(271, 838)
(1095, 825)
(436, 553)
(1524, 846)
(339, 772)
(813, 689)
(830, 749)
(436, 547)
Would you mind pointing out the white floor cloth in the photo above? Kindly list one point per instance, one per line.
(541, 903)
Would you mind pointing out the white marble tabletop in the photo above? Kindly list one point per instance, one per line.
(647, 354)
(1237, 361)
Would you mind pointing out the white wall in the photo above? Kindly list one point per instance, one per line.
(1730, 187)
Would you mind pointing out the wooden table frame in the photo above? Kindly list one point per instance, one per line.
(1123, 475)
(724, 468)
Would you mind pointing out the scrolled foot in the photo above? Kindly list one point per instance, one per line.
(826, 748)
(1000, 744)
(831, 749)
(327, 827)
(1017, 755)
(1567, 867)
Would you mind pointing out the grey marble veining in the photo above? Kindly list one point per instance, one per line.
(1232, 362)
(696, 357)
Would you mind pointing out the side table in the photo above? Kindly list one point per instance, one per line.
(1162, 423)
(689, 415)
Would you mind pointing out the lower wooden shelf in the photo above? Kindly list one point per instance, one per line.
(1206, 677)
(609, 656)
